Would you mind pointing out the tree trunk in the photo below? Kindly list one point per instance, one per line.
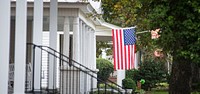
(195, 77)
(180, 80)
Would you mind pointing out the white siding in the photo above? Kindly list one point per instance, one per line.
(44, 75)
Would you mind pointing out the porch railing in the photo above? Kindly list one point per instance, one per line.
(70, 77)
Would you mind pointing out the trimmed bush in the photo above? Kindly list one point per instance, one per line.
(105, 68)
(128, 83)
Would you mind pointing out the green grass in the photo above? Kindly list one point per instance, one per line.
(156, 92)
(164, 92)
(195, 92)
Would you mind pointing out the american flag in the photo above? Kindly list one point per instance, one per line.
(124, 48)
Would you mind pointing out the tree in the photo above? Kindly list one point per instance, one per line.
(179, 22)
(102, 45)
(129, 13)
(120, 12)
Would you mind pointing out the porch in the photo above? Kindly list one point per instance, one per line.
(50, 47)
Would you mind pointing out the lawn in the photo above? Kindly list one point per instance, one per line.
(156, 92)
(164, 92)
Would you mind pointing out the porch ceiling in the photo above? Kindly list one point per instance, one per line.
(104, 31)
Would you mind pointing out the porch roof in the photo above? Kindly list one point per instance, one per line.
(104, 31)
(102, 28)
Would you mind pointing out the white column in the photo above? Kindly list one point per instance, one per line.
(52, 43)
(87, 46)
(94, 57)
(120, 76)
(84, 43)
(66, 38)
(76, 42)
(85, 55)
(37, 39)
(76, 50)
(90, 48)
(88, 57)
(20, 46)
(5, 45)
(81, 52)
(80, 39)
(64, 74)
(82, 76)
(93, 49)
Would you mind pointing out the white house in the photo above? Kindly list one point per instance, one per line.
(62, 25)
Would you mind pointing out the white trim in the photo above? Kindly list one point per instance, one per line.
(52, 42)
(20, 46)
(5, 44)
(86, 20)
(37, 39)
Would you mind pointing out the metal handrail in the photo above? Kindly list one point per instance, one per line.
(88, 71)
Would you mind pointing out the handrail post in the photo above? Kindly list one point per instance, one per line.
(33, 71)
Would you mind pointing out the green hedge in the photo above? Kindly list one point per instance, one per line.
(128, 83)
(105, 68)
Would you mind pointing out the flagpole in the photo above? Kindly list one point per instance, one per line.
(142, 32)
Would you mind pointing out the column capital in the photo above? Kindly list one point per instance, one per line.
(75, 20)
(66, 20)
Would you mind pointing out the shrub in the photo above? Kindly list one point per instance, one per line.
(128, 83)
(130, 73)
(153, 73)
(108, 86)
(103, 92)
(105, 69)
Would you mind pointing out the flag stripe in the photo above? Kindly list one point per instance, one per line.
(113, 48)
(129, 50)
(117, 49)
(121, 49)
(125, 57)
(132, 56)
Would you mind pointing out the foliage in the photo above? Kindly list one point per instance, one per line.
(129, 13)
(128, 83)
(103, 92)
(152, 72)
(130, 73)
(120, 12)
(162, 86)
(100, 45)
(157, 92)
(108, 86)
(105, 68)
(179, 22)
(140, 91)
(196, 86)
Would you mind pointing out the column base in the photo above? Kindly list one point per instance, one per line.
(43, 91)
